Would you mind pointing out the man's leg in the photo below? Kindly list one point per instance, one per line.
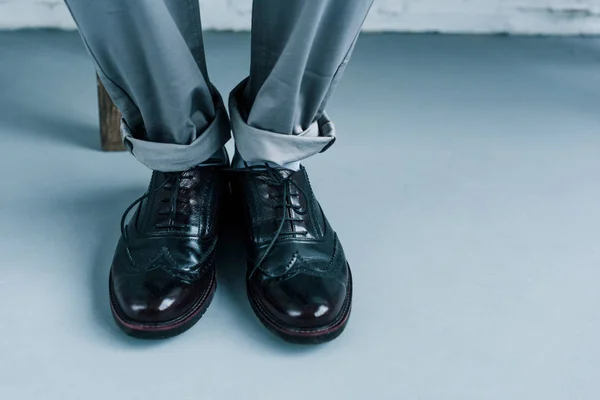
(299, 282)
(300, 50)
(149, 55)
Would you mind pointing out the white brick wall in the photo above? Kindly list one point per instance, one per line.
(514, 16)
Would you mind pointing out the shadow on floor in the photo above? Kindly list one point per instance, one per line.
(47, 125)
(48, 88)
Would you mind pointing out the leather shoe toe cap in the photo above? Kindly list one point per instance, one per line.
(152, 300)
(304, 301)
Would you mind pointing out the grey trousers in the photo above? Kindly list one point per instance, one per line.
(149, 55)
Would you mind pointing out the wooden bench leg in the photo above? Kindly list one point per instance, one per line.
(110, 120)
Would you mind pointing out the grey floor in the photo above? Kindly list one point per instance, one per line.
(465, 186)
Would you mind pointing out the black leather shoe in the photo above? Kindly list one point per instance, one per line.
(298, 279)
(163, 274)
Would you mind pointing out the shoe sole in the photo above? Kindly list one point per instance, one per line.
(167, 329)
(305, 336)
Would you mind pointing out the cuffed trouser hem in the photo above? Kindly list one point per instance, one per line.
(256, 145)
(169, 157)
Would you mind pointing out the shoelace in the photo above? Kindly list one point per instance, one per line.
(272, 177)
(174, 178)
